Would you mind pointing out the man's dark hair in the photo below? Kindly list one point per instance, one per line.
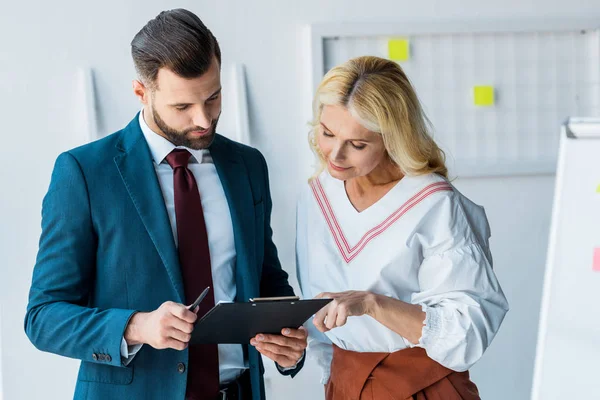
(176, 40)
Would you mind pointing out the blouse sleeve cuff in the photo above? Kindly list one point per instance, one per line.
(433, 327)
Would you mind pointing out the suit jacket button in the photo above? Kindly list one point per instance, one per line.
(95, 357)
(181, 368)
(108, 358)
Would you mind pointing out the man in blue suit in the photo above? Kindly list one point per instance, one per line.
(136, 225)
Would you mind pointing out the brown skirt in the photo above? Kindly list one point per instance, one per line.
(405, 374)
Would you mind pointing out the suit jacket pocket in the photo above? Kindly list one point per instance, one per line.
(91, 372)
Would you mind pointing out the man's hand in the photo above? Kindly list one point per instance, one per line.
(168, 327)
(285, 349)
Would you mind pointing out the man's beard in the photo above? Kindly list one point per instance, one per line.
(180, 138)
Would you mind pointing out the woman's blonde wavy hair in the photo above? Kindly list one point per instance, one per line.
(379, 95)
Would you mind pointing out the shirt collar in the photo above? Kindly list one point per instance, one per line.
(161, 147)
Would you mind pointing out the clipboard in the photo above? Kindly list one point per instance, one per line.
(237, 323)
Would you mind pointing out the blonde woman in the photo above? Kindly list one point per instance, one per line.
(404, 255)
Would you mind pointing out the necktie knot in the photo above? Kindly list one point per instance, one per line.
(178, 158)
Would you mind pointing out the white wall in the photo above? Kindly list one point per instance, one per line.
(43, 43)
(1, 385)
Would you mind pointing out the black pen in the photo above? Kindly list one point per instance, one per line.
(199, 299)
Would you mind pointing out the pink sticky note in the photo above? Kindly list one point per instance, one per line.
(596, 266)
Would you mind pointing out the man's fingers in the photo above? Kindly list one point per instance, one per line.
(181, 325)
(283, 361)
(293, 343)
(179, 335)
(195, 310)
(280, 350)
(168, 342)
(175, 344)
(181, 312)
(299, 333)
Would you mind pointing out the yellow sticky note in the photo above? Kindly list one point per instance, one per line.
(483, 95)
(399, 49)
(598, 189)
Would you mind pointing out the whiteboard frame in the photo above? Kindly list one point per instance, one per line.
(315, 35)
(1, 379)
(572, 129)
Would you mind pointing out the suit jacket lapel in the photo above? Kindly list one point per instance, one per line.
(137, 171)
(236, 185)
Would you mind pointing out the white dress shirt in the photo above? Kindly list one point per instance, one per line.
(423, 243)
(220, 235)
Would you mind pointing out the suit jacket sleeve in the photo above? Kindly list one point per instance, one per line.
(59, 319)
(274, 280)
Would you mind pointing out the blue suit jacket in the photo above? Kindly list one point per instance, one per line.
(107, 250)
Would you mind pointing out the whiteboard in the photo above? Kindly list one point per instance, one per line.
(540, 71)
(568, 350)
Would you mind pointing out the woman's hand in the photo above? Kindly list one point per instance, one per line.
(344, 305)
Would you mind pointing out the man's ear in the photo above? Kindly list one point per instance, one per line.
(141, 91)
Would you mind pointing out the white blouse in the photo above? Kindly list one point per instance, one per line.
(423, 243)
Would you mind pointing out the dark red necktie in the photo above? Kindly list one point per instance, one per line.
(194, 257)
